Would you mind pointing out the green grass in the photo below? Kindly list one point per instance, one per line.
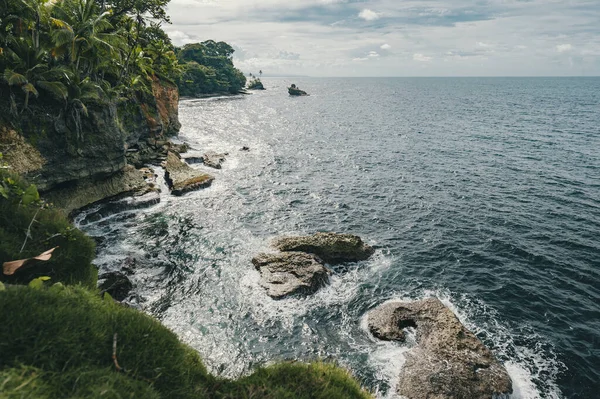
(25, 382)
(57, 342)
(71, 262)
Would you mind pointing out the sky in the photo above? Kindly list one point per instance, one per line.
(398, 37)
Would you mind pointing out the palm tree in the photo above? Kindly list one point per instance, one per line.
(80, 31)
(27, 68)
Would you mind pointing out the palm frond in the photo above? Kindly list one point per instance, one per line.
(29, 88)
(57, 89)
(14, 79)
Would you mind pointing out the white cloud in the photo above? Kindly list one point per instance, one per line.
(482, 44)
(373, 54)
(368, 15)
(421, 57)
(385, 47)
(360, 59)
(561, 48)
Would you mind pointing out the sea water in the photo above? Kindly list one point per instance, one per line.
(484, 192)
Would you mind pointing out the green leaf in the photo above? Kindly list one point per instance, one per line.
(57, 89)
(2, 287)
(30, 195)
(29, 88)
(107, 297)
(3, 191)
(38, 283)
(14, 79)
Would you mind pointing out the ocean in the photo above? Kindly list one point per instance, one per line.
(484, 192)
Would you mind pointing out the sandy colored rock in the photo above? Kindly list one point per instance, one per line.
(20, 156)
(331, 247)
(213, 159)
(182, 178)
(449, 361)
(289, 273)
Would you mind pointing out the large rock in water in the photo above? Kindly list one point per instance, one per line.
(291, 273)
(116, 284)
(331, 247)
(182, 178)
(213, 159)
(449, 362)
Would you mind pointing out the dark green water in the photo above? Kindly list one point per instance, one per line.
(483, 192)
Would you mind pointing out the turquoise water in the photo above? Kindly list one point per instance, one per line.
(484, 192)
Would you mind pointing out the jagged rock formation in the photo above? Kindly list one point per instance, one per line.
(331, 247)
(293, 90)
(449, 362)
(99, 145)
(182, 178)
(86, 191)
(289, 273)
(213, 159)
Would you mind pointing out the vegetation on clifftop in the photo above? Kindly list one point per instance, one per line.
(207, 67)
(71, 53)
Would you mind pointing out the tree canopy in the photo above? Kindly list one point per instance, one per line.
(68, 53)
(208, 68)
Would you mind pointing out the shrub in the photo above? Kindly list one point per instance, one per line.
(20, 213)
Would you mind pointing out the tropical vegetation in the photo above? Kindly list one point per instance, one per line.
(70, 53)
(207, 67)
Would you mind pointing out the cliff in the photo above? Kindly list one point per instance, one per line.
(57, 149)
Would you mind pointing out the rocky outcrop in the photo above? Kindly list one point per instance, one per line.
(19, 154)
(291, 273)
(182, 178)
(449, 361)
(166, 96)
(73, 150)
(213, 159)
(84, 192)
(116, 284)
(333, 248)
(293, 90)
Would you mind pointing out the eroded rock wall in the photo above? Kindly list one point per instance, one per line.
(71, 147)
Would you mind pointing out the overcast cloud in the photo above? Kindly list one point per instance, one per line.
(398, 37)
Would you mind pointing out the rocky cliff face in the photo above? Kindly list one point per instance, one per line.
(94, 147)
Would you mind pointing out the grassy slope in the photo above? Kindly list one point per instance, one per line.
(57, 342)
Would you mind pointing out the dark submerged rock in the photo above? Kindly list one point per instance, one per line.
(182, 178)
(291, 273)
(333, 248)
(116, 284)
(449, 360)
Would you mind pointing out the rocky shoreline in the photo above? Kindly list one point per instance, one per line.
(449, 361)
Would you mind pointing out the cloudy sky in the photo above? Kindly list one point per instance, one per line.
(399, 37)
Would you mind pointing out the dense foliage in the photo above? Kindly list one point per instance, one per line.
(69, 53)
(29, 228)
(207, 67)
(73, 52)
(60, 344)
